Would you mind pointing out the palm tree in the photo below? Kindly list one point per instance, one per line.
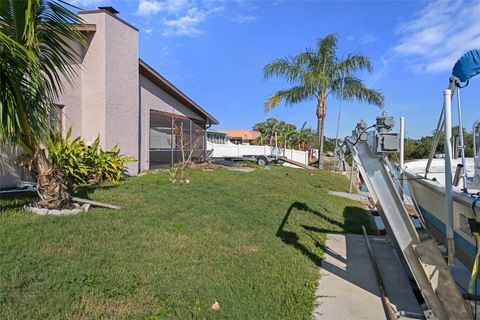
(316, 74)
(302, 137)
(37, 58)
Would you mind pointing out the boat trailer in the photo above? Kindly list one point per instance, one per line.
(420, 254)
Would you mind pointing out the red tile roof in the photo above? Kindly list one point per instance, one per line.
(243, 134)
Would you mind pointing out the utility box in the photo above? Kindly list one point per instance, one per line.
(387, 142)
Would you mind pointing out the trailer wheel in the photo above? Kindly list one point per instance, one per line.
(262, 161)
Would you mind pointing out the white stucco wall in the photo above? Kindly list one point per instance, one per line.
(93, 80)
(71, 98)
(122, 89)
(109, 81)
(154, 98)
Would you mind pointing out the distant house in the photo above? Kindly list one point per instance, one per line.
(124, 100)
(241, 136)
(215, 136)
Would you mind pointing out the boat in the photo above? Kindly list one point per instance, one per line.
(446, 189)
(429, 195)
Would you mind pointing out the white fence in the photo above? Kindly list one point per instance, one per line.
(239, 150)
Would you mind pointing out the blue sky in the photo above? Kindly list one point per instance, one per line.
(214, 51)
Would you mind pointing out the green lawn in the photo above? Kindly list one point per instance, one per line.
(251, 241)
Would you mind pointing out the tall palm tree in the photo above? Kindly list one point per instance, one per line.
(36, 59)
(316, 74)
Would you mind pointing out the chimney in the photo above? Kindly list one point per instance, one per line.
(111, 10)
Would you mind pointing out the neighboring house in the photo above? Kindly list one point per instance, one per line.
(241, 136)
(123, 100)
(214, 136)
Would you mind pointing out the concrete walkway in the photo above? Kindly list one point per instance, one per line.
(348, 287)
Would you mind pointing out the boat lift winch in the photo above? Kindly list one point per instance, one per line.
(420, 254)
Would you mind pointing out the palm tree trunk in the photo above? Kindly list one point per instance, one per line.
(321, 113)
(50, 183)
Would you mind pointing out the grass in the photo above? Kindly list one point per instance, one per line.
(250, 240)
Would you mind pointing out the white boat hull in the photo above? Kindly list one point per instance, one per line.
(431, 200)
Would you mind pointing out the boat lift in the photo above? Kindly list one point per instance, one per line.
(420, 254)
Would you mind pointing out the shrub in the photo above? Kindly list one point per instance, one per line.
(83, 164)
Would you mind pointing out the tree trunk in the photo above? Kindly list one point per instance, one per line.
(321, 113)
(50, 183)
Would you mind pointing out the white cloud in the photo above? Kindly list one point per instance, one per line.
(366, 39)
(350, 38)
(175, 6)
(177, 17)
(244, 19)
(164, 51)
(439, 34)
(185, 25)
(88, 3)
(188, 24)
(149, 7)
(152, 7)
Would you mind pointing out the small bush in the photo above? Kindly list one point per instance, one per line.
(83, 164)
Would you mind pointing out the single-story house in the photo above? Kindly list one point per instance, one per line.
(217, 137)
(122, 99)
(241, 136)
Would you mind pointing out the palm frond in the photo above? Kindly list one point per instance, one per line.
(326, 49)
(287, 67)
(37, 39)
(353, 63)
(355, 89)
(55, 36)
(306, 59)
(289, 97)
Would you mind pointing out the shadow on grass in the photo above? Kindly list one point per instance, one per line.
(84, 191)
(354, 217)
(15, 201)
(353, 265)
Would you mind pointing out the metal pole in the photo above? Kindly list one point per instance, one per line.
(462, 145)
(402, 152)
(378, 276)
(436, 138)
(351, 176)
(276, 142)
(338, 125)
(440, 125)
(447, 105)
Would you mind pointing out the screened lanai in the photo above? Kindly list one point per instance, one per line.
(174, 139)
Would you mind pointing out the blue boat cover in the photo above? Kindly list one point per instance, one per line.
(468, 66)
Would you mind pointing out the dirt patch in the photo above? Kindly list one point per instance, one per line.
(251, 249)
(206, 165)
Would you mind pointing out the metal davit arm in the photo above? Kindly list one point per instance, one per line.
(440, 125)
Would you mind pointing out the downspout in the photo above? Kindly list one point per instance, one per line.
(140, 126)
(205, 153)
